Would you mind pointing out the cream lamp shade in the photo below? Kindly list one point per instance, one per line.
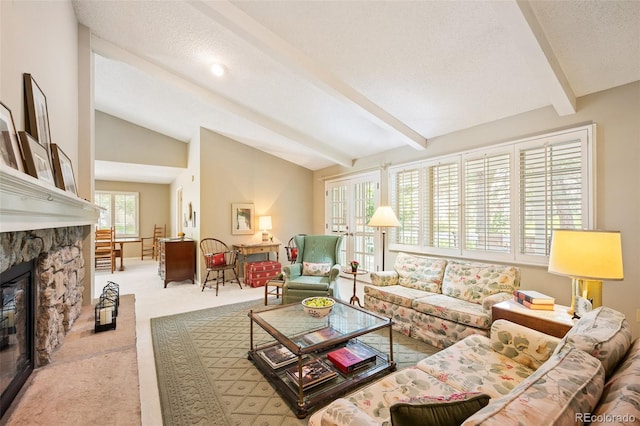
(264, 223)
(383, 218)
(587, 257)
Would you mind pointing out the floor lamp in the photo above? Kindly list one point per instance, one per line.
(384, 217)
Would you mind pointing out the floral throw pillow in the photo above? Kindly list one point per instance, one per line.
(316, 269)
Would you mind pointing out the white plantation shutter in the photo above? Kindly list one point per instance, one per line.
(443, 216)
(551, 179)
(405, 196)
(487, 203)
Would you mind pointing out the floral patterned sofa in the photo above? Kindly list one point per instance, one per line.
(591, 375)
(440, 301)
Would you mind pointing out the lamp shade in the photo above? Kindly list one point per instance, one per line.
(582, 254)
(384, 216)
(264, 223)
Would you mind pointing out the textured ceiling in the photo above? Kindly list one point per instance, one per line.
(314, 82)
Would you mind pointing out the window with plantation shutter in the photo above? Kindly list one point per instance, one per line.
(498, 203)
(444, 205)
(551, 186)
(487, 203)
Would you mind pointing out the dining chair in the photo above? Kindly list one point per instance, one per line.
(150, 244)
(218, 260)
(105, 249)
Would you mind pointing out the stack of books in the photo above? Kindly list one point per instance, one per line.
(534, 300)
(314, 372)
(351, 357)
(278, 356)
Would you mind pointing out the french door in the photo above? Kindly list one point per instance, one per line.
(349, 204)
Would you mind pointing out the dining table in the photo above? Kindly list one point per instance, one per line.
(121, 241)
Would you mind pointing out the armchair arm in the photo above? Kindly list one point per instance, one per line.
(528, 347)
(489, 301)
(334, 272)
(292, 271)
(384, 278)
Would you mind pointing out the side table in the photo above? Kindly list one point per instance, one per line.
(554, 323)
(354, 299)
(273, 283)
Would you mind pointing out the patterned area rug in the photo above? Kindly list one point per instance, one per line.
(205, 378)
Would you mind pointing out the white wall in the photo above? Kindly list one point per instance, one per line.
(617, 115)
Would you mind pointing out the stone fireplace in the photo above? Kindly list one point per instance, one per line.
(44, 231)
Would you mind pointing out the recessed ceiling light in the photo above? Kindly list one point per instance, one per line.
(217, 69)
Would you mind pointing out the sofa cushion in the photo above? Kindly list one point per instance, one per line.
(529, 347)
(621, 396)
(375, 400)
(402, 316)
(603, 333)
(453, 309)
(396, 294)
(472, 366)
(423, 273)
(569, 383)
(475, 281)
(445, 410)
(441, 332)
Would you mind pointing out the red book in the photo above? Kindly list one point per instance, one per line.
(536, 306)
(351, 357)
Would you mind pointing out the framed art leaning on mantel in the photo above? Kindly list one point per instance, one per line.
(63, 170)
(36, 112)
(36, 158)
(10, 152)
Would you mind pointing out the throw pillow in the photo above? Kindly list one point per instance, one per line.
(214, 259)
(316, 269)
(437, 410)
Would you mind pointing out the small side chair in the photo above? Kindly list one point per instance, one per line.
(218, 260)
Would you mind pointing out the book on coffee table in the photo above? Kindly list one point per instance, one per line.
(351, 357)
(318, 336)
(278, 356)
(314, 372)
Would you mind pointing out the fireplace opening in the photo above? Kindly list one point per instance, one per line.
(17, 330)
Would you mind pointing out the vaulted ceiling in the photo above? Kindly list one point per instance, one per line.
(319, 83)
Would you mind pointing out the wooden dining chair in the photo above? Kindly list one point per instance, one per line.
(150, 244)
(105, 249)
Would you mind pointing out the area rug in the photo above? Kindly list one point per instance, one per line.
(205, 378)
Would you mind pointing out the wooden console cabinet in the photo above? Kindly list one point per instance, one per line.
(177, 259)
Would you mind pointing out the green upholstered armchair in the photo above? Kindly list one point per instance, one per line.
(316, 269)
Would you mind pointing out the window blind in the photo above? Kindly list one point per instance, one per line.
(444, 209)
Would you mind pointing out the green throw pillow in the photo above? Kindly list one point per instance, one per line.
(437, 410)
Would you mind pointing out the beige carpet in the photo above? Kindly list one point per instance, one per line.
(92, 380)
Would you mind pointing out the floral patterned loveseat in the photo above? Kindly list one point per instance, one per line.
(440, 301)
(591, 375)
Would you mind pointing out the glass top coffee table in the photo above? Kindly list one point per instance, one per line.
(312, 361)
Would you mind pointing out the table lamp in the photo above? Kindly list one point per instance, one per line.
(384, 217)
(264, 223)
(587, 257)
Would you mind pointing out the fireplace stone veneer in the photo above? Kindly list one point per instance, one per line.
(59, 280)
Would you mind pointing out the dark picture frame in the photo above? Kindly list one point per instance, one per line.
(10, 152)
(242, 217)
(63, 170)
(37, 112)
(36, 158)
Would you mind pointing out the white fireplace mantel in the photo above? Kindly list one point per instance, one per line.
(27, 203)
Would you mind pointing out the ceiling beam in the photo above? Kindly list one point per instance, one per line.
(109, 50)
(526, 32)
(242, 25)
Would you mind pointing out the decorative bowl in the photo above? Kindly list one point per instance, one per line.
(318, 307)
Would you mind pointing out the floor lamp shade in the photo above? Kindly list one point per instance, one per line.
(587, 257)
(383, 217)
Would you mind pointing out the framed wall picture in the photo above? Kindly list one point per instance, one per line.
(63, 169)
(36, 158)
(10, 152)
(242, 219)
(37, 113)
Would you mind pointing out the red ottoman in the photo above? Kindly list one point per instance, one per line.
(258, 273)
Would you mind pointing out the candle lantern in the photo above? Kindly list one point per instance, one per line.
(112, 292)
(105, 318)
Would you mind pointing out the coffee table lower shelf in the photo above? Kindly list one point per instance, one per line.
(303, 402)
